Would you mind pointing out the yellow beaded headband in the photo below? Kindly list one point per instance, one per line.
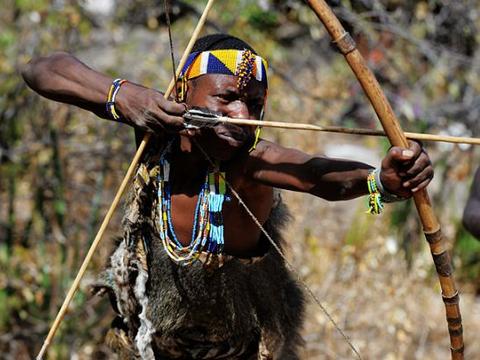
(242, 63)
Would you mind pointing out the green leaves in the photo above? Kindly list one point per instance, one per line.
(261, 19)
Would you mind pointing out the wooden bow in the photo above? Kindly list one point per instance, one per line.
(390, 124)
(126, 180)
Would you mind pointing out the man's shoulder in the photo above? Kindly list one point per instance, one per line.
(263, 146)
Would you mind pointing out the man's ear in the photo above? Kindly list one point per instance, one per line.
(179, 91)
(182, 89)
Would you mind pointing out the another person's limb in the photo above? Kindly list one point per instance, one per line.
(471, 214)
(62, 77)
(403, 172)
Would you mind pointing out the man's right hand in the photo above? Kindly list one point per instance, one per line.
(148, 110)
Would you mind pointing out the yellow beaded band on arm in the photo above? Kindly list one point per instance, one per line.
(378, 194)
(112, 94)
(375, 204)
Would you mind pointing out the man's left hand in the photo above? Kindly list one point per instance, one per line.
(406, 171)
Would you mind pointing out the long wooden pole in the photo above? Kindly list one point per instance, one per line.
(116, 200)
(431, 226)
(343, 130)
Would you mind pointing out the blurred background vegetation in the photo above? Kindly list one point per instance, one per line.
(60, 166)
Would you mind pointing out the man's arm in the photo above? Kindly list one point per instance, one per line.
(403, 172)
(471, 214)
(62, 77)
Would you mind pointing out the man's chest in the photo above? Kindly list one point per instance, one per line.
(241, 233)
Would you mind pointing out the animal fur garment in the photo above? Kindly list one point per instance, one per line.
(241, 310)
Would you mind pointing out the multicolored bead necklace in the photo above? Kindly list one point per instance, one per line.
(208, 231)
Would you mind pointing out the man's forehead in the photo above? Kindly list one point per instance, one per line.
(228, 83)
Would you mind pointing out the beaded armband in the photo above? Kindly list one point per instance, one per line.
(378, 195)
(375, 205)
(112, 93)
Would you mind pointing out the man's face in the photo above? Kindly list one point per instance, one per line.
(219, 93)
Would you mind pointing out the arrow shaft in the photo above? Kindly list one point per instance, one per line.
(343, 130)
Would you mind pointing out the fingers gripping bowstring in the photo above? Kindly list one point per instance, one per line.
(277, 248)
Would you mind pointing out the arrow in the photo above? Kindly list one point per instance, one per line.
(198, 119)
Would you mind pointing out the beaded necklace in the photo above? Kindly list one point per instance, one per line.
(208, 231)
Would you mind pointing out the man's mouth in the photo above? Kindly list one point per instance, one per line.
(232, 134)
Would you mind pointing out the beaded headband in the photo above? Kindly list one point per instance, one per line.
(242, 63)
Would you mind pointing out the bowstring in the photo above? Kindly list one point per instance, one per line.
(282, 255)
(166, 7)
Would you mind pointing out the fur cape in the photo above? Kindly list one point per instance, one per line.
(245, 309)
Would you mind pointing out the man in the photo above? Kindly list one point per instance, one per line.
(471, 213)
(194, 277)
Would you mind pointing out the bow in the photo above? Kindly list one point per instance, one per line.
(390, 124)
(126, 180)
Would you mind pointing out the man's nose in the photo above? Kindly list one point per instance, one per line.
(239, 109)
